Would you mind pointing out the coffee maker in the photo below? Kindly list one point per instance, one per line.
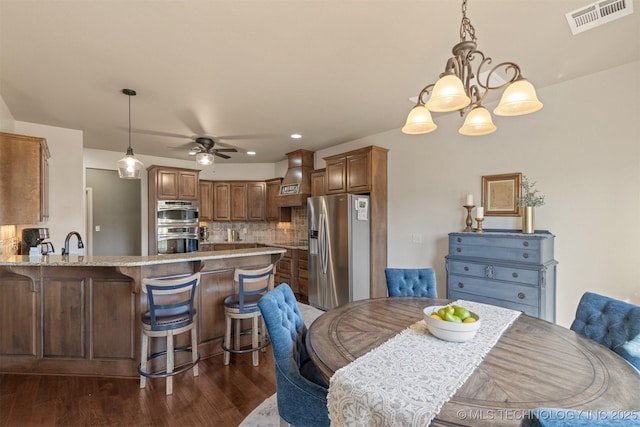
(35, 238)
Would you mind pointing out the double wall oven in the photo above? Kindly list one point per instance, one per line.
(177, 226)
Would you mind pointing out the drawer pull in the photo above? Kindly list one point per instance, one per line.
(488, 271)
(459, 239)
(460, 285)
(514, 275)
(466, 268)
(525, 255)
(525, 243)
(521, 295)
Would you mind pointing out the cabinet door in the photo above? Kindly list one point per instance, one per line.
(44, 183)
(18, 317)
(359, 173)
(256, 201)
(167, 185)
(238, 201)
(214, 287)
(206, 200)
(318, 183)
(336, 171)
(188, 185)
(221, 201)
(273, 211)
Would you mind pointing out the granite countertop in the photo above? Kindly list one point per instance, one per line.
(132, 261)
(287, 245)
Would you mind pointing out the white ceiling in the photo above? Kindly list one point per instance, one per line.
(250, 73)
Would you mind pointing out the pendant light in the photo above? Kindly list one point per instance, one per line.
(129, 167)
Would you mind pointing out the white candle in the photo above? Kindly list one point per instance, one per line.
(469, 200)
(479, 212)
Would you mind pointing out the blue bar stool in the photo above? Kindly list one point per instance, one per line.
(251, 286)
(171, 312)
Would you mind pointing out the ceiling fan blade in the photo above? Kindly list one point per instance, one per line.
(158, 133)
(224, 156)
(225, 150)
(191, 121)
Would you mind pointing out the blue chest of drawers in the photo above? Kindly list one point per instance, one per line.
(504, 268)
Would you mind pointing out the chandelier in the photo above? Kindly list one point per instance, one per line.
(462, 88)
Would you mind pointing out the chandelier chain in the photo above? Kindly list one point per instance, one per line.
(465, 26)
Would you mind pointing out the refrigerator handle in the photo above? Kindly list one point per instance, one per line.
(322, 243)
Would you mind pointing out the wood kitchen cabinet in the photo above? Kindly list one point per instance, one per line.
(353, 172)
(239, 201)
(303, 276)
(318, 182)
(24, 179)
(205, 200)
(166, 183)
(273, 211)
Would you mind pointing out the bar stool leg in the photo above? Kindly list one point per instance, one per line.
(144, 354)
(237, 333)
(170, 362)
(254, 339)
(194, 350)
(227, 340)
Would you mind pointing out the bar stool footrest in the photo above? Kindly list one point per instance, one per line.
(245, 350)
(164, 374)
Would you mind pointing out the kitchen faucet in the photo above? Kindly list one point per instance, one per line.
(65, 250)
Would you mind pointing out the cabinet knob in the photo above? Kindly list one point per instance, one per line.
(521, 295)
(514, 275)
(466, 268)
(458, 250)
(459, 239)
(525, 255)
(460, 285)
(525, 243)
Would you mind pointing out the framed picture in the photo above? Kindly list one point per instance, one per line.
(499, 194)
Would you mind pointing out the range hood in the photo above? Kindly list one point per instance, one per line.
(296, 184)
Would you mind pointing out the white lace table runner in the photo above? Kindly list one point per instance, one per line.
(407, 380)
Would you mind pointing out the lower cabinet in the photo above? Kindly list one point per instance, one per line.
(504, 268)
(303, 276)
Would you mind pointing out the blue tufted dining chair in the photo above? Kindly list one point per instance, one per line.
(301, 389)
(612, 323)
(411, 282)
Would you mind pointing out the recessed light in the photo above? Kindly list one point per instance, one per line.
(296, 136)
(251, 153)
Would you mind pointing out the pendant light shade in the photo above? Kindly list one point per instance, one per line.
(478, 122)
(129, 167)
(448, 95)
(518, 98)
(419, 121)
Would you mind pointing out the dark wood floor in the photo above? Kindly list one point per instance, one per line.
(219, 396)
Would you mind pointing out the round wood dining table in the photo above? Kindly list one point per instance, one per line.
(534, 364)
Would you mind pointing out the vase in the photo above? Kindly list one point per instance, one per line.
(528, 223)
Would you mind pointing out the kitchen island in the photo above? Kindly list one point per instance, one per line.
(80, 315)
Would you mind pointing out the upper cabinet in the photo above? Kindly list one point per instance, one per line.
(239, 201)
(206, 200)
(352, 172)
(274, 212)
(24, 179)
(318, 182)
(166, 183)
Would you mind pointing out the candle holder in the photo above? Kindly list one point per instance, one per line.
(479, 229)
(469, 221)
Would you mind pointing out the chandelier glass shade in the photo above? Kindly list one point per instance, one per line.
(129, 167)
(204, 159)
(465, 83)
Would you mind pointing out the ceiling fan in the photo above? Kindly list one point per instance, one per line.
(204, 151)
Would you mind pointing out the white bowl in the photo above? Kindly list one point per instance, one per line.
(450, 331)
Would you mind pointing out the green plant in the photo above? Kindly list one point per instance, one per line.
(529, 196)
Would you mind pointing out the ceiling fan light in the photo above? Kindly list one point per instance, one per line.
(419, 121)
(478, 122)
(129, 167)
(204, 159)
(448, 95)
(518, 98)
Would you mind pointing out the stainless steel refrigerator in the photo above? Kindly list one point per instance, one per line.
(339, 228)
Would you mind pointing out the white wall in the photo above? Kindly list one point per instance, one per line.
(66, 180)
(582, 148)
(7, 123)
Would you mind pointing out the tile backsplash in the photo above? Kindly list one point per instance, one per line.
(283, 232)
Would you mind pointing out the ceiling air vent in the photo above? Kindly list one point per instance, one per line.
(597, 14)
